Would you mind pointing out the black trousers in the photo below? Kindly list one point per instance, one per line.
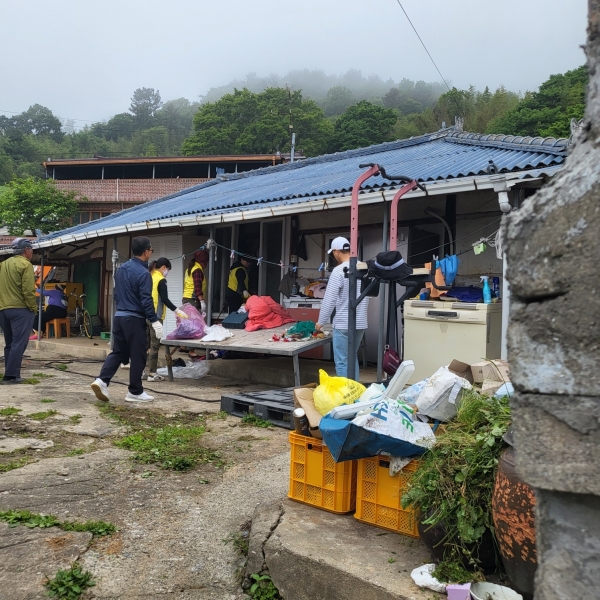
(16, 324)
(233, 302)
(129, 346)
(51, 312)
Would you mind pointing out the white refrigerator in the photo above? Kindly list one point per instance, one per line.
(437, 332)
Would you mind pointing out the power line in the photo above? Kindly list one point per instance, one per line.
(423, 43)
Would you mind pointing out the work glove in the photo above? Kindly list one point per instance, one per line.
(203, 307)
(181, 314)
(158, 329)
(246, 294)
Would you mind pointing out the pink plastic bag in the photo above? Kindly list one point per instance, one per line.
(193, 328)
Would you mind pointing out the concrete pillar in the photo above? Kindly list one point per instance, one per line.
(553, 245)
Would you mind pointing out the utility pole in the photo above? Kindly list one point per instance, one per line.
(293, 146)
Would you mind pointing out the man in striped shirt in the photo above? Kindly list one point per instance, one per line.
(336, 298)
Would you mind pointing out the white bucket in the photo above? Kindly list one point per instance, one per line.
(490, 591)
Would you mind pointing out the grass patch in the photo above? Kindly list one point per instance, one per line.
(250, 420)
(9, 411)
(69, 584)
(171, 447)
(47, 400)
(171, 443)
(76, 452)
(263, 588)
(42, 375)
(14, 464)
(31, 520)
(76, 419)
(222, 414)
(40, 416)
(61, 367)
(31, 381)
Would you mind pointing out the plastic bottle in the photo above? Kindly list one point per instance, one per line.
(487, 293)
(496, 287)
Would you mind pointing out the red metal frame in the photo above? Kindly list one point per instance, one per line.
(374, 170)
(409, 187)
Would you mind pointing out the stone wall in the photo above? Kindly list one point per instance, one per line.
(553, 247)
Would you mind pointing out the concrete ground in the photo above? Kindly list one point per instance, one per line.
(172, 525)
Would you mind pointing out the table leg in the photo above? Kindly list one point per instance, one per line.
(296, 370)
(169, 359)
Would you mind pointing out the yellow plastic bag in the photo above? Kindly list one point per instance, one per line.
(335, 391)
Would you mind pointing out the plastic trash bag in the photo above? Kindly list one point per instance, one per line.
(441, 395)
(411, 394)
(373, 392)
(193, 328)
(192, 370)
(335, 391)
(394, 418)
(423, 577)
(216, 333)
(506, 389)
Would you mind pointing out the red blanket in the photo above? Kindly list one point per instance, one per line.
(265, 313)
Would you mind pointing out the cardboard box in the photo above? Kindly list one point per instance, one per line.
(495, 370)
(303, 398)
(461, 369)
(490, 386)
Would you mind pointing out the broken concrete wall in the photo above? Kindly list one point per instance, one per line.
(553, 248)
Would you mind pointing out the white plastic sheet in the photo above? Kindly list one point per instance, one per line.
(440, 396)
(423, 577)
(192, 370)
(216, 333)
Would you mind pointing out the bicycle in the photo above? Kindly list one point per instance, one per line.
(80, 316)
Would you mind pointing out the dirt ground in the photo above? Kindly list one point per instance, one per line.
(59, 456)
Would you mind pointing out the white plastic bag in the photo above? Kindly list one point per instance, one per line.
(441, 394)
(373, 392)
(192, 370)
(411, 393)
(394, 418)
(423, 577)
(216, 333)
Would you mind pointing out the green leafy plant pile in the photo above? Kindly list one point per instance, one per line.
(69, 584)
(263, 588)
(453, 484)
(31, 520)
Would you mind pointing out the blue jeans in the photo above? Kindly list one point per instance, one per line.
(340, 351)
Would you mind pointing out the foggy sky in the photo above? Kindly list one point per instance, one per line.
(83, 59)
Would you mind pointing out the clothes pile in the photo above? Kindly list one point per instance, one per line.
(265, 313)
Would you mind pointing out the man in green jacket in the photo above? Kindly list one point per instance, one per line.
(17, 307)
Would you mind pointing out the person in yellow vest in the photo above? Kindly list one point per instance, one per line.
(238, 285)
(159, 270)
(195, 281)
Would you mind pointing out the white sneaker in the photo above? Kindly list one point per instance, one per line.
(125, 366)
(143, 397)
(101, 390)
(155, 377)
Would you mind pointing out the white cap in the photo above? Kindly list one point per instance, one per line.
(340, 243)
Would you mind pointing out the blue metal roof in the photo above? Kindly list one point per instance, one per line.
(435, 157)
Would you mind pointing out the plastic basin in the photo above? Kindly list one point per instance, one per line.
(490, 591)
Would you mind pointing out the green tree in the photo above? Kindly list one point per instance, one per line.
(249, 123)
(547, 112)
(144, 104)
(31, 203)
(338, 100)
(363, 124)
(119, 126)
(37, 119)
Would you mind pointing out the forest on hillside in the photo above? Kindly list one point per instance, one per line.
(327, 113)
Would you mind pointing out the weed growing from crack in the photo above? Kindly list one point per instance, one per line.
(76, 452)
(240, 542)
(263, 588)
(40, 416)
(76, 419)
(69, 584)
(9, 411)
(61, 367)
(254, 421)
(31, 520)
(15, 464)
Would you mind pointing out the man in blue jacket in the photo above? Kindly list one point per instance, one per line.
(133, 296)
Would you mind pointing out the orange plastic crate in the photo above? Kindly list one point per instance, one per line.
(379, 496)
(316, 479)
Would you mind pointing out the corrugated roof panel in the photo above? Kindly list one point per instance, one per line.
(427, 159)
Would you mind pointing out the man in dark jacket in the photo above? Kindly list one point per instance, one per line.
(133, 296)
(17, 307)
